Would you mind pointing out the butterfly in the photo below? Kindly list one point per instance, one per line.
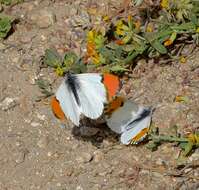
(130, 120)
(84, 94)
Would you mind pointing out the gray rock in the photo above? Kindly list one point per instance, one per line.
(84, 158)
(43, 18)
(2, 46)
(80, 20)
(98, 156)
(88, 131)
(8, 103)
(43, 142)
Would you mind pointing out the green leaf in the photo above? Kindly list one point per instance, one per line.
(45, 87)
(5, 26)
(137, 2)
(159, 47)
(79, 67)
(118, 69)
(188, 148)
(127, 38)
(73, 63)
(6, 2)
(152, 146)
(70, 58)
(52, 58)
(99, 41)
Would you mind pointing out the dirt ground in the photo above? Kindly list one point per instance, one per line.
(36, 153)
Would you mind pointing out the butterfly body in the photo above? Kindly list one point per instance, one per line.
(85, 94)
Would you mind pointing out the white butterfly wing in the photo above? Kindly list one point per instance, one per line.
(92, 95)
(134, 129)
(122, 116)
(68, 103)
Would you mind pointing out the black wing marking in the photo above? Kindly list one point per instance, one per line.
(73, 85)
(145, 113)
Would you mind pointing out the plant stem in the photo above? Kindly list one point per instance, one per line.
(159, 138)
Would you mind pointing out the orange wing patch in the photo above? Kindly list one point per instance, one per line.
(114, 105)
(112, 84)
(57, 109)
(139, 137)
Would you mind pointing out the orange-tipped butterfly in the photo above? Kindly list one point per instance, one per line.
(84, 94)
(128, 119)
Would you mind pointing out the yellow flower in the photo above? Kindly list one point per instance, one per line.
(164, 4)
(137, 24)
(91, 36)
(194, 138)
(168, 42)
(119, 28)
(197, 30)
(182, 99)
(183, 59)
(149, 27)
(129, 18)
(106, 18)
(59, 71)
(95, 58)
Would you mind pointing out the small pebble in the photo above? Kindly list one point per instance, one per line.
(88, 131)
(20, 157)
(79, 187)
(41, 117)
(26, 38)
(2, 46)
(43, 18)
(35, 124)
(69, 171)
(84, 158)
(194, 156)
(160, 162)
(187, 170)
(43, 142)
(49, 154)
(8, 103)
(58, 184)
(98, 156)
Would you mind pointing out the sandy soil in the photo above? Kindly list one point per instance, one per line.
(36, 153)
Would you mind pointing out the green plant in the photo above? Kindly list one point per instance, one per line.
(6, 2)
(9, 2)
(187, 144)
(70, 62)
(5, 26)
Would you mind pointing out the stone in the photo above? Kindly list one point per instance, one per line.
(84, 158)
(2, 46)
(79, 187)
(8, 103)
(88, 131)
(27, 38)
(35, 124)
(43, 142)
(69, 171)
(160, 162)
(194, 156)
(43, 18)
(98, 156)
(19, 157)
(80, 20)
